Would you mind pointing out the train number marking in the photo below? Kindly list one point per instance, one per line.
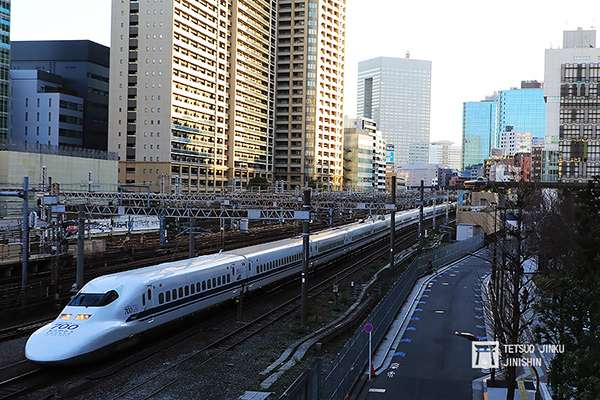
(130, 309)
(62, 329)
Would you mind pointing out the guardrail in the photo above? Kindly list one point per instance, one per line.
(352, 360)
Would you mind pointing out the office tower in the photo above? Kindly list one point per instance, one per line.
(4, 67)
(191, 92)
(513, 142)
(309, 124)
(523, 109)
(446, 154)
(479, 125)
(364, 156)
(43, 112)
(396, 93)
(82, 66)
(571, 87)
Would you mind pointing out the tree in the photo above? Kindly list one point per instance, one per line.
(258, 182)
(568, 302)
(510, 305)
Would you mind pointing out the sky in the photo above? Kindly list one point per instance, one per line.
(476, 46)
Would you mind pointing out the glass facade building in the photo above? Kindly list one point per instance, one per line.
(396, 93)
(479, 124)
(4, 66)
(522, 108)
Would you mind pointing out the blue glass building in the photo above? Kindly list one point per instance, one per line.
(4, 66)
(522, 108)
(479, 127)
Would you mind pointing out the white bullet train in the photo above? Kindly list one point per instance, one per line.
(111, 311)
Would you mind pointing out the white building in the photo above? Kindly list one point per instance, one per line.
(446, 154)
(42, 112)
(396, 93)
(512, 142)
(571, 79)
(412, 175)
(192, 87)
(364, 156)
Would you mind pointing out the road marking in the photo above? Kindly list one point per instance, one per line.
(411, 328)
(452, 274)
(376, 390)
(445, 283)
(422, 302)
(480, 326)
(439, 311)
(418, 309)
(415, 318)
(425, 295)
(406, 340)
(400, 354)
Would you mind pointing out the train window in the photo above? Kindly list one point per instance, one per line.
(180, 292)
(228, 278)
(149, 294)
(203, 285)
(143, 299)
(219, 281)
(168, 295)
(161, 298)
(187, 290)
(198, 288)
(94, 299)
(214, 282)
(209, 283)
(174, 292)
(192, 288)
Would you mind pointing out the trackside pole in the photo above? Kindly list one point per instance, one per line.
(421, 211)
(305, 257)
(80, 249)
(393, 225)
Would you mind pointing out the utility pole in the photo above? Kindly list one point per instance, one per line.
(191, 239)
(421, 210)
(89, 181)
(305, 256)
(80, 249)
(393, 224)
(434, 199)
(447, 205)
(25, 235)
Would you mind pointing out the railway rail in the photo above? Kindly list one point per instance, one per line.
(23, 377)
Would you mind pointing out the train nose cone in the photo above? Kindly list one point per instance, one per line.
(54, 343)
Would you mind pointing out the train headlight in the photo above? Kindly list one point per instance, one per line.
(83, 317)
(66, 317)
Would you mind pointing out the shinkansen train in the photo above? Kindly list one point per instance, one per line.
(112, 311)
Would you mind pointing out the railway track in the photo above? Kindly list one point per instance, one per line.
(19, 378)
(19, 330)
(23, 377)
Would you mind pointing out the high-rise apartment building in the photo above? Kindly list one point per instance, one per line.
(4, 66)
(396, 93)
(191, 92)
(364, 156)
(479, 125)
(82, 65)
(572, 90)
(524, 109)
(309, 124)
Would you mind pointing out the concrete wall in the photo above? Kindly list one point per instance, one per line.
(70, 172)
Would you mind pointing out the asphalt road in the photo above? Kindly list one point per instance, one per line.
(431, 362)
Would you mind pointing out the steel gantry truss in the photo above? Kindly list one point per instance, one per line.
(234, 205)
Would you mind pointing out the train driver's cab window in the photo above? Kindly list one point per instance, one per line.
(94, 299)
